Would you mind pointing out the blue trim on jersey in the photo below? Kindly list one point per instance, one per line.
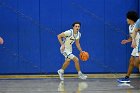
(71, 32)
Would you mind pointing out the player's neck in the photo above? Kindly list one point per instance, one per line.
(132, 23)
(75, 32)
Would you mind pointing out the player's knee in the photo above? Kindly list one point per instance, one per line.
(131, 63)
(75, 59)
(136, 64)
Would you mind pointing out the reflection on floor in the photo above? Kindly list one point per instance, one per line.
(68, 86)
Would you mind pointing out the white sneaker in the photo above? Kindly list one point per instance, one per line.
(82, 76)
(60, 75)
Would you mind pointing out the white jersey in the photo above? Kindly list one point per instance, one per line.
(70, 38)
(131, 28)
(68, 41)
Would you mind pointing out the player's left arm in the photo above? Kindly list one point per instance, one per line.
(134, 37)
(134, 33)
(77, 42)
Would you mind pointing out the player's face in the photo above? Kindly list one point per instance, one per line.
(128, 21)
(76, 27)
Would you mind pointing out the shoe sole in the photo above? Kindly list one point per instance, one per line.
(123, 81)
(83, 78)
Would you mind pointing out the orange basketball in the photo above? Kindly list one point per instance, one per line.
(84, 56)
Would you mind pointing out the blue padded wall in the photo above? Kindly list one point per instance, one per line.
(30, 28)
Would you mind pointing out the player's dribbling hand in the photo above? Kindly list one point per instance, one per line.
(82, 51)
(62, 47)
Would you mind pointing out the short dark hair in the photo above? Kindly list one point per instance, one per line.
(76, 23)
(132, 15)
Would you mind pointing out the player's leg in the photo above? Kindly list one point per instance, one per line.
(61, 71)
(130, 69)
(137, 62)
(131, 66)
(66, 63)
(77, 66)
(64, 66)
(132, 61)
(139, 67)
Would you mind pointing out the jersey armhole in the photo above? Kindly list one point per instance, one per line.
(70, 33)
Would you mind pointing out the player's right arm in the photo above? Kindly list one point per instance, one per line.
(60, 36)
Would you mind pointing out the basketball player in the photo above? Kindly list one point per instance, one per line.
(66, 40)
(1, 40)
(132, 17)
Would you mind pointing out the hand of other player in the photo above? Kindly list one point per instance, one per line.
(124, 42)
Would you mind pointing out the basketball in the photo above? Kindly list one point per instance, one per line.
(84, 56)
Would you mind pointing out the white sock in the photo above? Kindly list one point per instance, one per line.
(79, 72)
(61, 70)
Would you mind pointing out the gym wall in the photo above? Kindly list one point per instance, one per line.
(30, 28)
